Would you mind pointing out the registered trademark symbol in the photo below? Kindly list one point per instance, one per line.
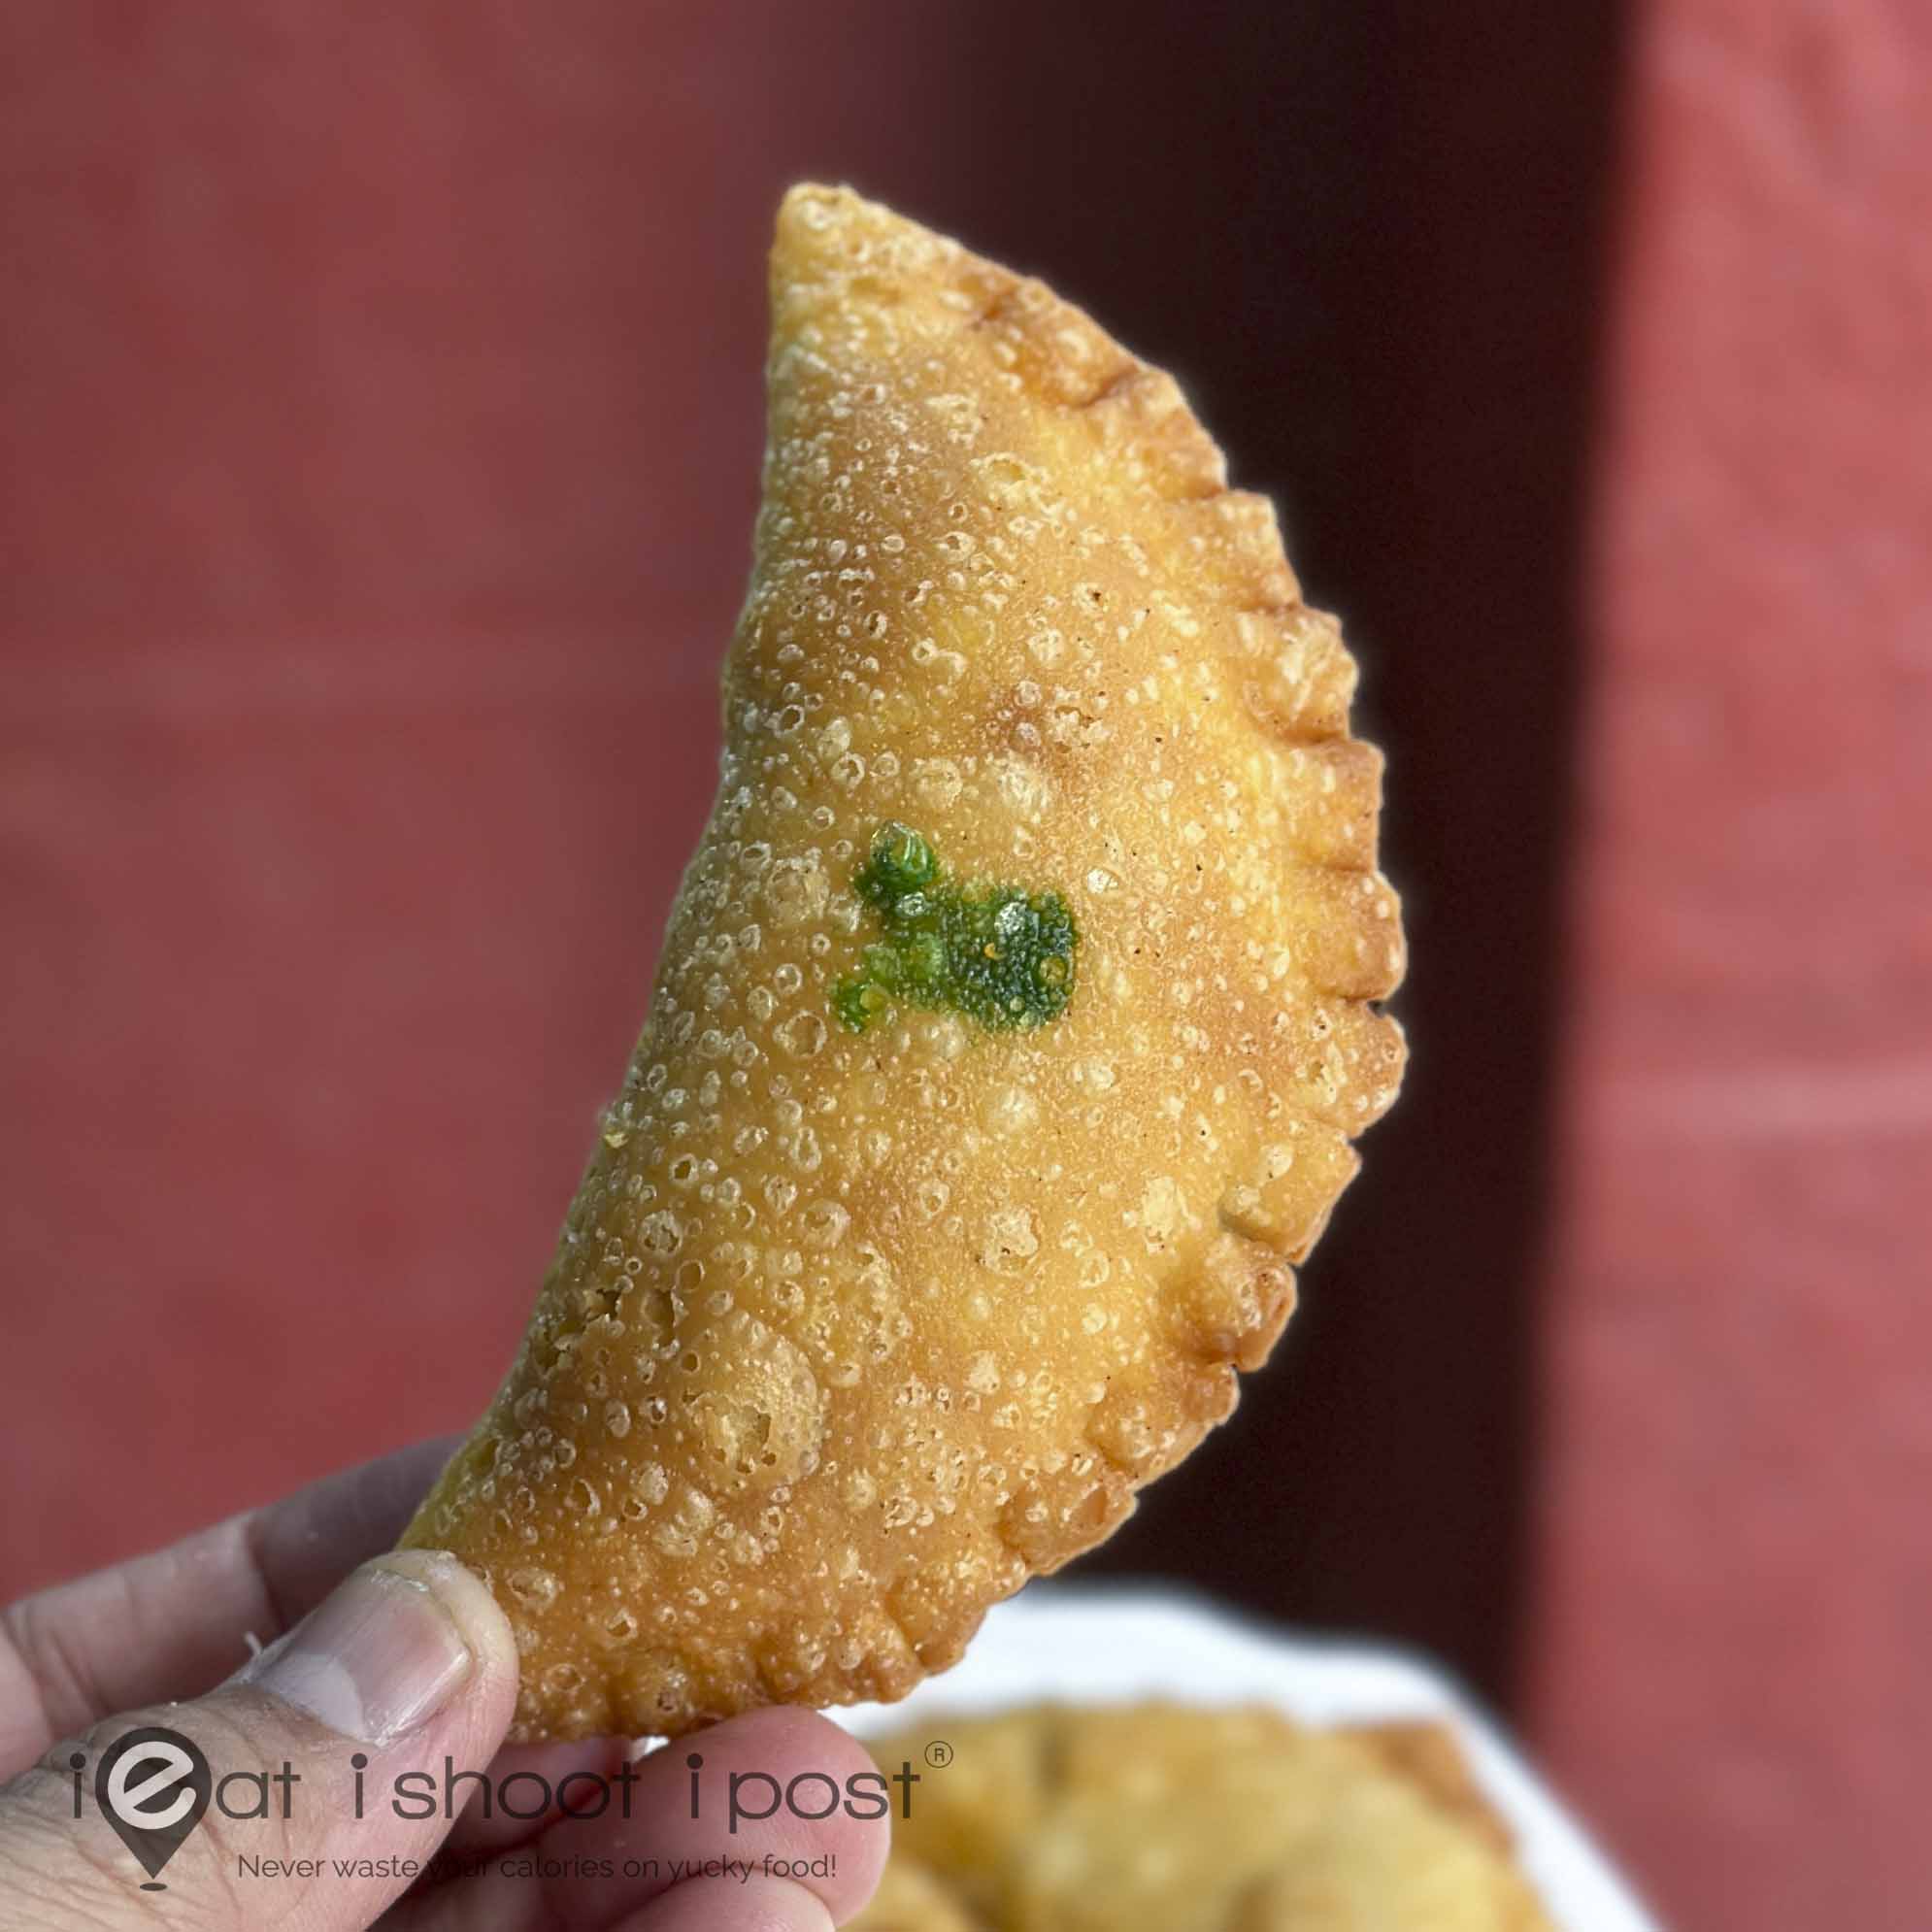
(939, 1753)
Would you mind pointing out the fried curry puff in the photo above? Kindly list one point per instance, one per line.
(1119, 1817)
(1013, 1025)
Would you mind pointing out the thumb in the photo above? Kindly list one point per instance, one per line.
(409, 1662)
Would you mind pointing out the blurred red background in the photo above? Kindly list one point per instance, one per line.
(382, 422)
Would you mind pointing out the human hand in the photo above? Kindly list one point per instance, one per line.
(406, 1667)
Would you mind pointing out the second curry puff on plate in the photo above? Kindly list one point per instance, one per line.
(1178, 1818)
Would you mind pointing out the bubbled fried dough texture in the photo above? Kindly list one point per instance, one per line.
(849, 1333)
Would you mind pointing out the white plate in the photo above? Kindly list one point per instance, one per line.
(1091, 1645)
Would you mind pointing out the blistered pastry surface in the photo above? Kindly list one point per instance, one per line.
(849, 1332)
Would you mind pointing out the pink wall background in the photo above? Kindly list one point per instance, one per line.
(381, 425)
(1733, 1642)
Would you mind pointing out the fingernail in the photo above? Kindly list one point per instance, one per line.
(379, 1657)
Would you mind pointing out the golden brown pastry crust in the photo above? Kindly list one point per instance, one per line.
(850, 1333)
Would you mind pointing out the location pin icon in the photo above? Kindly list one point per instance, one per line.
(152, 1785)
